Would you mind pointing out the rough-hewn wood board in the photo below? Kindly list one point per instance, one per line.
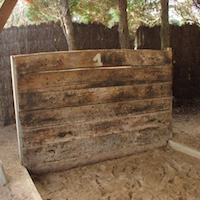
(41, 168)
(16, 105)
(93, 128)
(92, 146)
(91, 96)
(81, 107)
(63, 116)
(84, 59)
(90, 78)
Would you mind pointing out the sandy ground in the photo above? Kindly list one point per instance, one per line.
(20, 185)
(157, 174)
(186, 124)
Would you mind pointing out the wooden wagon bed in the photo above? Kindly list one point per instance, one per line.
(81, 107)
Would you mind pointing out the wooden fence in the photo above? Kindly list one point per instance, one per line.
(185, 43)
(81, 107)
(44, 38)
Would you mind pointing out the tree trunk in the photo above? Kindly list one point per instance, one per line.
(164, 32)
(123, 25)
(67, 24)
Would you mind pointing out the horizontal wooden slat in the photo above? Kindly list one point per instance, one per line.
(60, 99)
(86, 159)
(90, 78)
(70, 115)
(89, 58)
(115, 125)
(95, 145)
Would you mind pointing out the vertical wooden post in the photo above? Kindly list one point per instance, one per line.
(6, 11)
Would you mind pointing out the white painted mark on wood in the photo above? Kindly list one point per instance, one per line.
(97, 59)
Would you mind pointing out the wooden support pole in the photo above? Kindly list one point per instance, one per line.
(6, 11)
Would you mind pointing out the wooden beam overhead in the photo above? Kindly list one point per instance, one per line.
(6, 11)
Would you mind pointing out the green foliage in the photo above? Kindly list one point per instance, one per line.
(143, 12)
(101, 11)
(95, 11)
(140, 12)
(43, 10)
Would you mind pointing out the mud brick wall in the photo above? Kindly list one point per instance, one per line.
(81, 107)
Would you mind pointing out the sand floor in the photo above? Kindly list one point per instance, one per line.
(186, 125)
(158, 174)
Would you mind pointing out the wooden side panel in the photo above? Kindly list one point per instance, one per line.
(69, 115)
(107, 126)
(95, 145)
(90, 78)
(92, 96)
(80, 107)
(90, 59)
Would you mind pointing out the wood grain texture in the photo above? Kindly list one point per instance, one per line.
(63, 116)
(92, 78)
(91, 146)
(81, 107)
(92, 96)
(107, 126)
(87, 159)
(84, 59)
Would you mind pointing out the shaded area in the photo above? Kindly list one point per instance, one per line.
(185, 43)
(186, 120)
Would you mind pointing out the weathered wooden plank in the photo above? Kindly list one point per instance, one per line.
(87, 159)
(115, 125)
(95, 145)
(68, 115)
(90, 78)
(89, 58)
(16, 105)
(82, 107)
(91, 96)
